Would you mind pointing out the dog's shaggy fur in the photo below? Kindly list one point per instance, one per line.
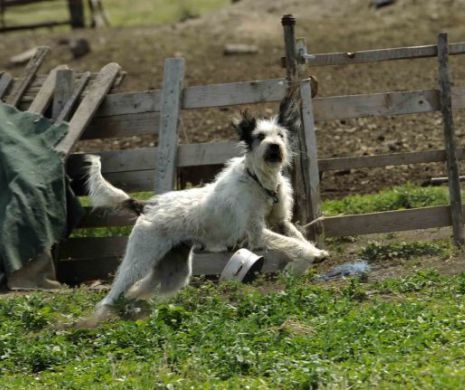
(250, 203)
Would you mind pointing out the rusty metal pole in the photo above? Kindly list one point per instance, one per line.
(288, 23)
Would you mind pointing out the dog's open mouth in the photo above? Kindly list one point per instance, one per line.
(273, 156)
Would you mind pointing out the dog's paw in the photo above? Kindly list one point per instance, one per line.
(321, 255)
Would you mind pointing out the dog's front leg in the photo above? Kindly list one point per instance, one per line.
(290, 230)
(301, 252)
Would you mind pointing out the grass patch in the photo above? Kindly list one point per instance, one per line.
(375, 251)
(296, 335)
(398, 198)
(122, 13)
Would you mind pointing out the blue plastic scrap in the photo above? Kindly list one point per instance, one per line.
(359, 268)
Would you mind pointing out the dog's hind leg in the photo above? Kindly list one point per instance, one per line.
(175, 272)
(170, 274)
(144, 249)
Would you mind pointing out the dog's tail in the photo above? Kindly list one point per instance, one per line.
(104, 194)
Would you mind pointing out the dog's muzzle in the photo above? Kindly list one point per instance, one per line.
(273, 154)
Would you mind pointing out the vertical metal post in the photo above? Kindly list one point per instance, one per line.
(449, 139)
(288, 23)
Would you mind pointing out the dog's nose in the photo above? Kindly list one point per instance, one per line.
(274, 148)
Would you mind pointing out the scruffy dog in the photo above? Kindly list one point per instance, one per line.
(250, 202)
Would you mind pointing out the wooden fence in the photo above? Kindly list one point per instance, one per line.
(146, 168)
(159, 111)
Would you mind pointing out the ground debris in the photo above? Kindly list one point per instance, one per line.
(239, 48)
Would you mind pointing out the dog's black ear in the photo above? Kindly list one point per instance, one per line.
(244, 126)
(289, 109)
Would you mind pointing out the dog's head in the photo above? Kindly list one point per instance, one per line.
(267, 140)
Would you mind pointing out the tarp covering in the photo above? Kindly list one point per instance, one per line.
(34, 193)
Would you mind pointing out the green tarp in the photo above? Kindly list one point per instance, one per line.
(34, 193)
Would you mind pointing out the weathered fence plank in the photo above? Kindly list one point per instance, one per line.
(165, 169)
(63, 91)
(139, 119)
(360, 224)
(450, 141)
(5, 82)
(29, 73)
(387, 221)
(73, 99)
(141, 162)
(398, 53)
(45, 94)
(78, 261)
(122, 126)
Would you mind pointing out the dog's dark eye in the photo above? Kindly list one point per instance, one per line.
(260, 136)
(281, 135)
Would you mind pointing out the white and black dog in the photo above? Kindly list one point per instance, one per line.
(250, 202)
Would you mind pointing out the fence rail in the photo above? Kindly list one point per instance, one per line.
(398, 53)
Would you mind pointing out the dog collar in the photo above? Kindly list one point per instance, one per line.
(272, 194)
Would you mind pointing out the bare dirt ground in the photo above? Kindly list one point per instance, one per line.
(328, 26)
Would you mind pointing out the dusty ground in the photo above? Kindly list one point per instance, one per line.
(328, 26)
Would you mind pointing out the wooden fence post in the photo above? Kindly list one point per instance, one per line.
(76, 13)
(305, 176)
(309, 162)
(449, 140)
(165, 168)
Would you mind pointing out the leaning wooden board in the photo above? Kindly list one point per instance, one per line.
(88, 107)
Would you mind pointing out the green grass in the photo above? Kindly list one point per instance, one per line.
(402, 197)
(405, 250)
(122, 13)
(401, 333)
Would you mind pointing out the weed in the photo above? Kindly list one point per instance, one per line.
(375, 251)
(234, 336)
(402, 197)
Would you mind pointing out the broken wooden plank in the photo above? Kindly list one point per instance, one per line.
(43, 98)
(71, 102)
(88, 107)
(64, 83)
(29, 73)
(165, 169)
(5, 82)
